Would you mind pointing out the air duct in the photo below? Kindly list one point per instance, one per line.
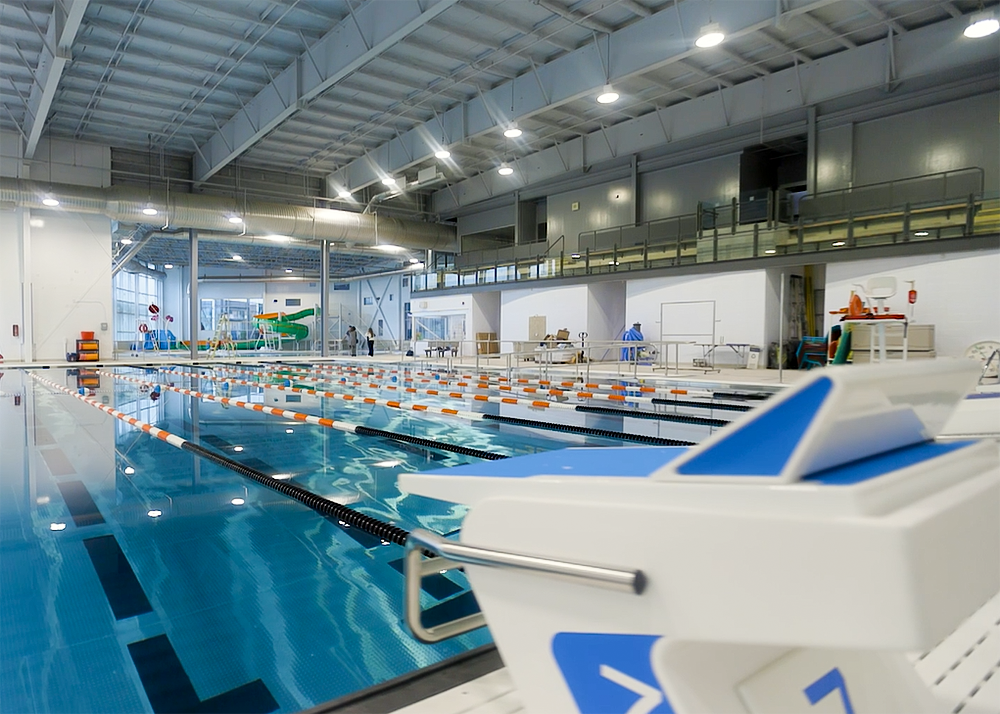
(213, 213)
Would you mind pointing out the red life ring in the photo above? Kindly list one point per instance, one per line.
(143, 327)
(154, 308)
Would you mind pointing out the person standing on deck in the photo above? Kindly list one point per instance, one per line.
(352, 340)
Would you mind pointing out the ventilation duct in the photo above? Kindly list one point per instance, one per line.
(213, 213)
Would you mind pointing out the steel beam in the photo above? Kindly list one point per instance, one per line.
(639, 48)
(839, 75)
(55, 54)
(355, 41)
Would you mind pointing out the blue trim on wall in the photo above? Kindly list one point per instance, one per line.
(762, 445)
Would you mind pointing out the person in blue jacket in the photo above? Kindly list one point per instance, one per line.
(633, 334)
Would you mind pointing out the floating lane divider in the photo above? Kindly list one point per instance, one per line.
(321, 421)
(385, 531)
(436, 378)
(531, 423)
(661, 416)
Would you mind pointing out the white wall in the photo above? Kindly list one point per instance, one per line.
(603, 206)
(739, 308)
(563, 307)
(485, 313)
(959, 293)
(12, 310)
(606, 319)
(71, 281)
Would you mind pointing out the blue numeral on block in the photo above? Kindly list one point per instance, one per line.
(827, 684)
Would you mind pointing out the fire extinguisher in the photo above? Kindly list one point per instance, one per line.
(912, 296)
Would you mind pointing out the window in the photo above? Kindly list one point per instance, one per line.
(293, 302)
(341, 286)
(390, 297)
(368, 301)
(134, 293)
(379, 328)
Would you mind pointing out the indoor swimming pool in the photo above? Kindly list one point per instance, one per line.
(140, 577)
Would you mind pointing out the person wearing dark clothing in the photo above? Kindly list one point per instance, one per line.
(352, 340)
(370, 337)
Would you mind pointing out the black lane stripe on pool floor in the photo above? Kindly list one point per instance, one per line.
(80, 503)
(122, 588)
(169, 689)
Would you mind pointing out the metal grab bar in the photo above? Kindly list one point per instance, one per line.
(457, 554)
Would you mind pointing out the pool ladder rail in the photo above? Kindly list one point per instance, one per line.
(451, 555)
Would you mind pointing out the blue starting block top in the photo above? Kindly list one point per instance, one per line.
(607, 462)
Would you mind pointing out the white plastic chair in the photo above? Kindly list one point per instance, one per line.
(881, 289)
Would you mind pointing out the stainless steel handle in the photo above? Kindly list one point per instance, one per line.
(457, 554)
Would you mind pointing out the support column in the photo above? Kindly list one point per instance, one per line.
(324, 299)
(195, 316)
(811, 177)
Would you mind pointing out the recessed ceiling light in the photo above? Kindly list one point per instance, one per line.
(50, 202)
(126, 241)
(168, 266)
(982, 24)
(149, 211)
(921, 234)
(505, 169)
(770, 251)
(442, 154)
(839, 244)
(238, 501)
(237, 257)
(710, 35)
(389, 181)
(608, 95)
(343, 193)
(512, 132)
(154, 513)
(288, 270)
(235, 219)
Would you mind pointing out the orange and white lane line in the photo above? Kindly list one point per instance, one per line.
(160, 434)
(473, 416)
(408, 390)
(487, 379)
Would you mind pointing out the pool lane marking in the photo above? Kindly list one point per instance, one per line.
(169, 689)
(121, 586)
(80, 503)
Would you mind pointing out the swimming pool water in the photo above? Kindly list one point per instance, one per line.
(183, 586)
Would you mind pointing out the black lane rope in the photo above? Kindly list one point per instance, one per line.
(702, 405)
(430, 443)
(679, 418)
(743, 396)
(590, 431)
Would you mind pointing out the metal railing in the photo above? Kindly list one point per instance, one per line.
(450, 555)
(941, 206)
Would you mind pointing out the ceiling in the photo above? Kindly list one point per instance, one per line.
(187, 74)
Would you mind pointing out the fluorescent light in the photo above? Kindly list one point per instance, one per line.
(288, 270)
(57, 526)
(50, 202)
(921, 234)
(839, 243)
(710, 35)
(149, 211)
(771, 251)
(442, 154)
(126, 241)
(389, 181)
(343, 193)
(237, 257)
(512, 132)
(235, 219)
(608, 95)
(129, 470)
(237, 501)
(168, 266)
(505, 169)
(154, 513)
(982, 24)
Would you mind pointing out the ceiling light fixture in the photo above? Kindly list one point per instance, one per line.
(839, 244)
(414, 261)
(168, 266)
(982, 24)
(922, 234)
(50, 202)
(442, 154)
(505, 169)
(710, 35)
(149, 211)
(608, 95)
(512, 132)
(389, 181)
(154, 513)
(343, 193)
(238, 258)
(770, 251)
(234, 219)
(126, 241)
(288, 270)
(129, 470)
(238, 501)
